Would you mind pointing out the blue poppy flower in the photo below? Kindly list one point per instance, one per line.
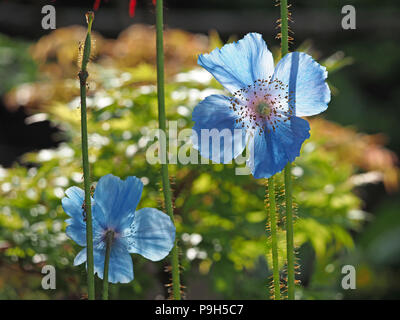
(147, 231)
(265, 107)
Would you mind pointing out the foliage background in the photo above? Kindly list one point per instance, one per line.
(346, 179)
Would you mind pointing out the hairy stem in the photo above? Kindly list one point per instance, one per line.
(288, 169)
(83, 75)
(284, 28)
(274, 240)
(289, 231)
(176, 287)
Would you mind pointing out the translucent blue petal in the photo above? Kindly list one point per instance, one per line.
(76, 230)
(152, 234)
(72, 203)
(117, 200)
(99, 215)
(306, 80)
(80, 257)
(239, 64)
(224, 143)
(273, 150)
(120, 265)
(98, 257)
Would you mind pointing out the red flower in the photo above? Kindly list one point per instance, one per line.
(132, 6)
(96, 4)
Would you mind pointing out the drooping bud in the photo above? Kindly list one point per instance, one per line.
(89, 17)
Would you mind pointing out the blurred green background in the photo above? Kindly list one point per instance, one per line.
(346, 180)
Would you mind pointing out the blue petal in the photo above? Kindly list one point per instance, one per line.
(226, 143)
(76, 230)
(117, 200)
(272, 150)
(72, 203)
(120, 265)
(99, 215)
(239, 64)
(306, 80)
(80, 257)
(152, 234)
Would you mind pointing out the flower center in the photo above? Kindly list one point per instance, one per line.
(263, 108)
(263, 105)
(109, 236)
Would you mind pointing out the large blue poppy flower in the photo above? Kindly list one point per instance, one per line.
(265, 107)
(147, 231)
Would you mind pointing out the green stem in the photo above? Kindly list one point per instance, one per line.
(284, 28)
(176, 287)
(109, 240)
(83, 75)
(288, 169)
(289, 231)
(274, 240)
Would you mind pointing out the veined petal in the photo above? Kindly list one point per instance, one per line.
(217, 133)
(120, 265)
(80, 257)
(152, 234)
(237, 65)
(309, 93)
(72, 203)
(76, 230)
(117, 200)
(274, 149)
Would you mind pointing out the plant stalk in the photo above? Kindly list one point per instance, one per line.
(274, 240)
(289, 231)
(284, 28)
(83, 75)
(288, 169)
(176, 287)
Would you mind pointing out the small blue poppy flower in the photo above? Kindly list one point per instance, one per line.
(265, 106)
(147, 231)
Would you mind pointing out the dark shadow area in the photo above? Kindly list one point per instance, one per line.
(17, 137)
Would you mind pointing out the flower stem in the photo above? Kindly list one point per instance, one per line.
(274, 240)
(109, 240)
(83, 75)
(289, 231)
(176, 287)
(288, 169)
(284, 28)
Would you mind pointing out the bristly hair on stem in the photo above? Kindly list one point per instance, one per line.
(281, 208)
(83, 75)
(285, 22)
(176, 286)
(284, 36)
(169, 268)
(272, 229)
